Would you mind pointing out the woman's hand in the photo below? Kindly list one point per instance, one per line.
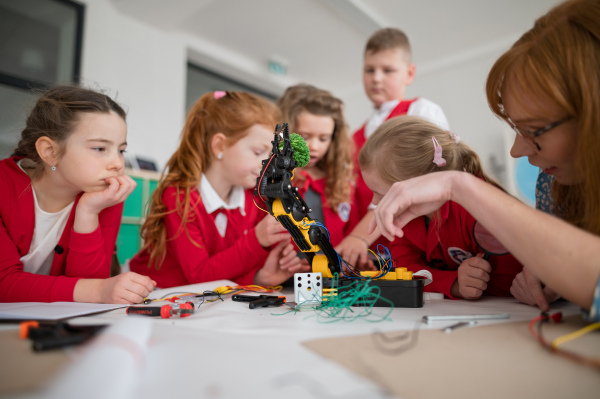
(528, 289)
(92, 203)
(269, 231)
(473, 276)
(409, 199)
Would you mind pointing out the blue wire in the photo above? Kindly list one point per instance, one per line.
(386, 256)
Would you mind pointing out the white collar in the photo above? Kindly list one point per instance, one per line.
(213, 202)
(387, 107)
(379, 116)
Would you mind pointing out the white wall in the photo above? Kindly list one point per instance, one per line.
(145, 69)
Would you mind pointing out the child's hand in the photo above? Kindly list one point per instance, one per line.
(128, 287)
(288, 257)
(117, 191)
(269, 231)
(291, 262)
(272, 273)
(355, 251)
(92, 203)
(473, 276)
(528, 289)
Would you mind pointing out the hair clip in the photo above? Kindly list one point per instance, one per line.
(437, 155)
(219, 94)
(454, 137)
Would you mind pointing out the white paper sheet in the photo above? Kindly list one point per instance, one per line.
(51, 311)
(111, 366)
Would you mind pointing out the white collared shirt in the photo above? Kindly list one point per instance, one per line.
(379, 116)
(422, 107)
(212, 202)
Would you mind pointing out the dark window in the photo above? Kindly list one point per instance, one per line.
(40, 46)
(201, 80)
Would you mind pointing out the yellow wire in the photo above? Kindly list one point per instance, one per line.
(576, 334)
(381, 260)
(226, 289)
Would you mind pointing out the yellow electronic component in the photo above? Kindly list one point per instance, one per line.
(321, 264)
(370, 274)
(390, 276)
(401, 273)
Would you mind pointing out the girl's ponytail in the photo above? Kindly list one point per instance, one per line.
(471, 163)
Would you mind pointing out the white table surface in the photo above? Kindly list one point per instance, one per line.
(226, 350)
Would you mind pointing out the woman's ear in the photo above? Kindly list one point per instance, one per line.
(218, 144)
(47, 150)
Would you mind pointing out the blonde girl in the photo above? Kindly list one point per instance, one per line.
(441, 241)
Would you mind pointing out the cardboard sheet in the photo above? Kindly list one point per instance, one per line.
(22, 369)
(494, 361)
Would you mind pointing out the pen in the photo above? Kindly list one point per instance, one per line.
(465, 317)
(453, 327)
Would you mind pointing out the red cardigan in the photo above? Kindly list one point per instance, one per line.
(363, 194)
(442, 248)
(338, 228)
(201, 254)
(84, 255)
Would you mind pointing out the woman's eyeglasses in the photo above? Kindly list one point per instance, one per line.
(531, 136)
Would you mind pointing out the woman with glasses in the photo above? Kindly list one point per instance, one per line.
(547, 87)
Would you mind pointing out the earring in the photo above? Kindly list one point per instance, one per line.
(220, 156)
(53, 167)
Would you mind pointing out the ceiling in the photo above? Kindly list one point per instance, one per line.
(321, 41)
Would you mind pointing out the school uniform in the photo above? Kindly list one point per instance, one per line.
(443, 246)
(340, 221)
(419, 106)
(75, 256)
(218, 240)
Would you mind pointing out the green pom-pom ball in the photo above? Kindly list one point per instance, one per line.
(301, 152)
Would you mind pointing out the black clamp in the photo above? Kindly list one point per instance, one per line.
(260, 301)
(52, 335)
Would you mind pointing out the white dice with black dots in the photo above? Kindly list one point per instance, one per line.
(308, 288)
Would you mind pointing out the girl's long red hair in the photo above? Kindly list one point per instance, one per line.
(232, 115)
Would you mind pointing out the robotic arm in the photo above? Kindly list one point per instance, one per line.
(274, 187)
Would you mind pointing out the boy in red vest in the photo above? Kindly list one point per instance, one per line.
(387, 72)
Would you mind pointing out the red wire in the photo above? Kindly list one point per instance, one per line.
(263, 175)
(544, 317)
(259, 184)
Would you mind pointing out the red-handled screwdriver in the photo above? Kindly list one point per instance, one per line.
(165, 311)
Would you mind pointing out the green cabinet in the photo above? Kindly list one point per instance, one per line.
(129, 241)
